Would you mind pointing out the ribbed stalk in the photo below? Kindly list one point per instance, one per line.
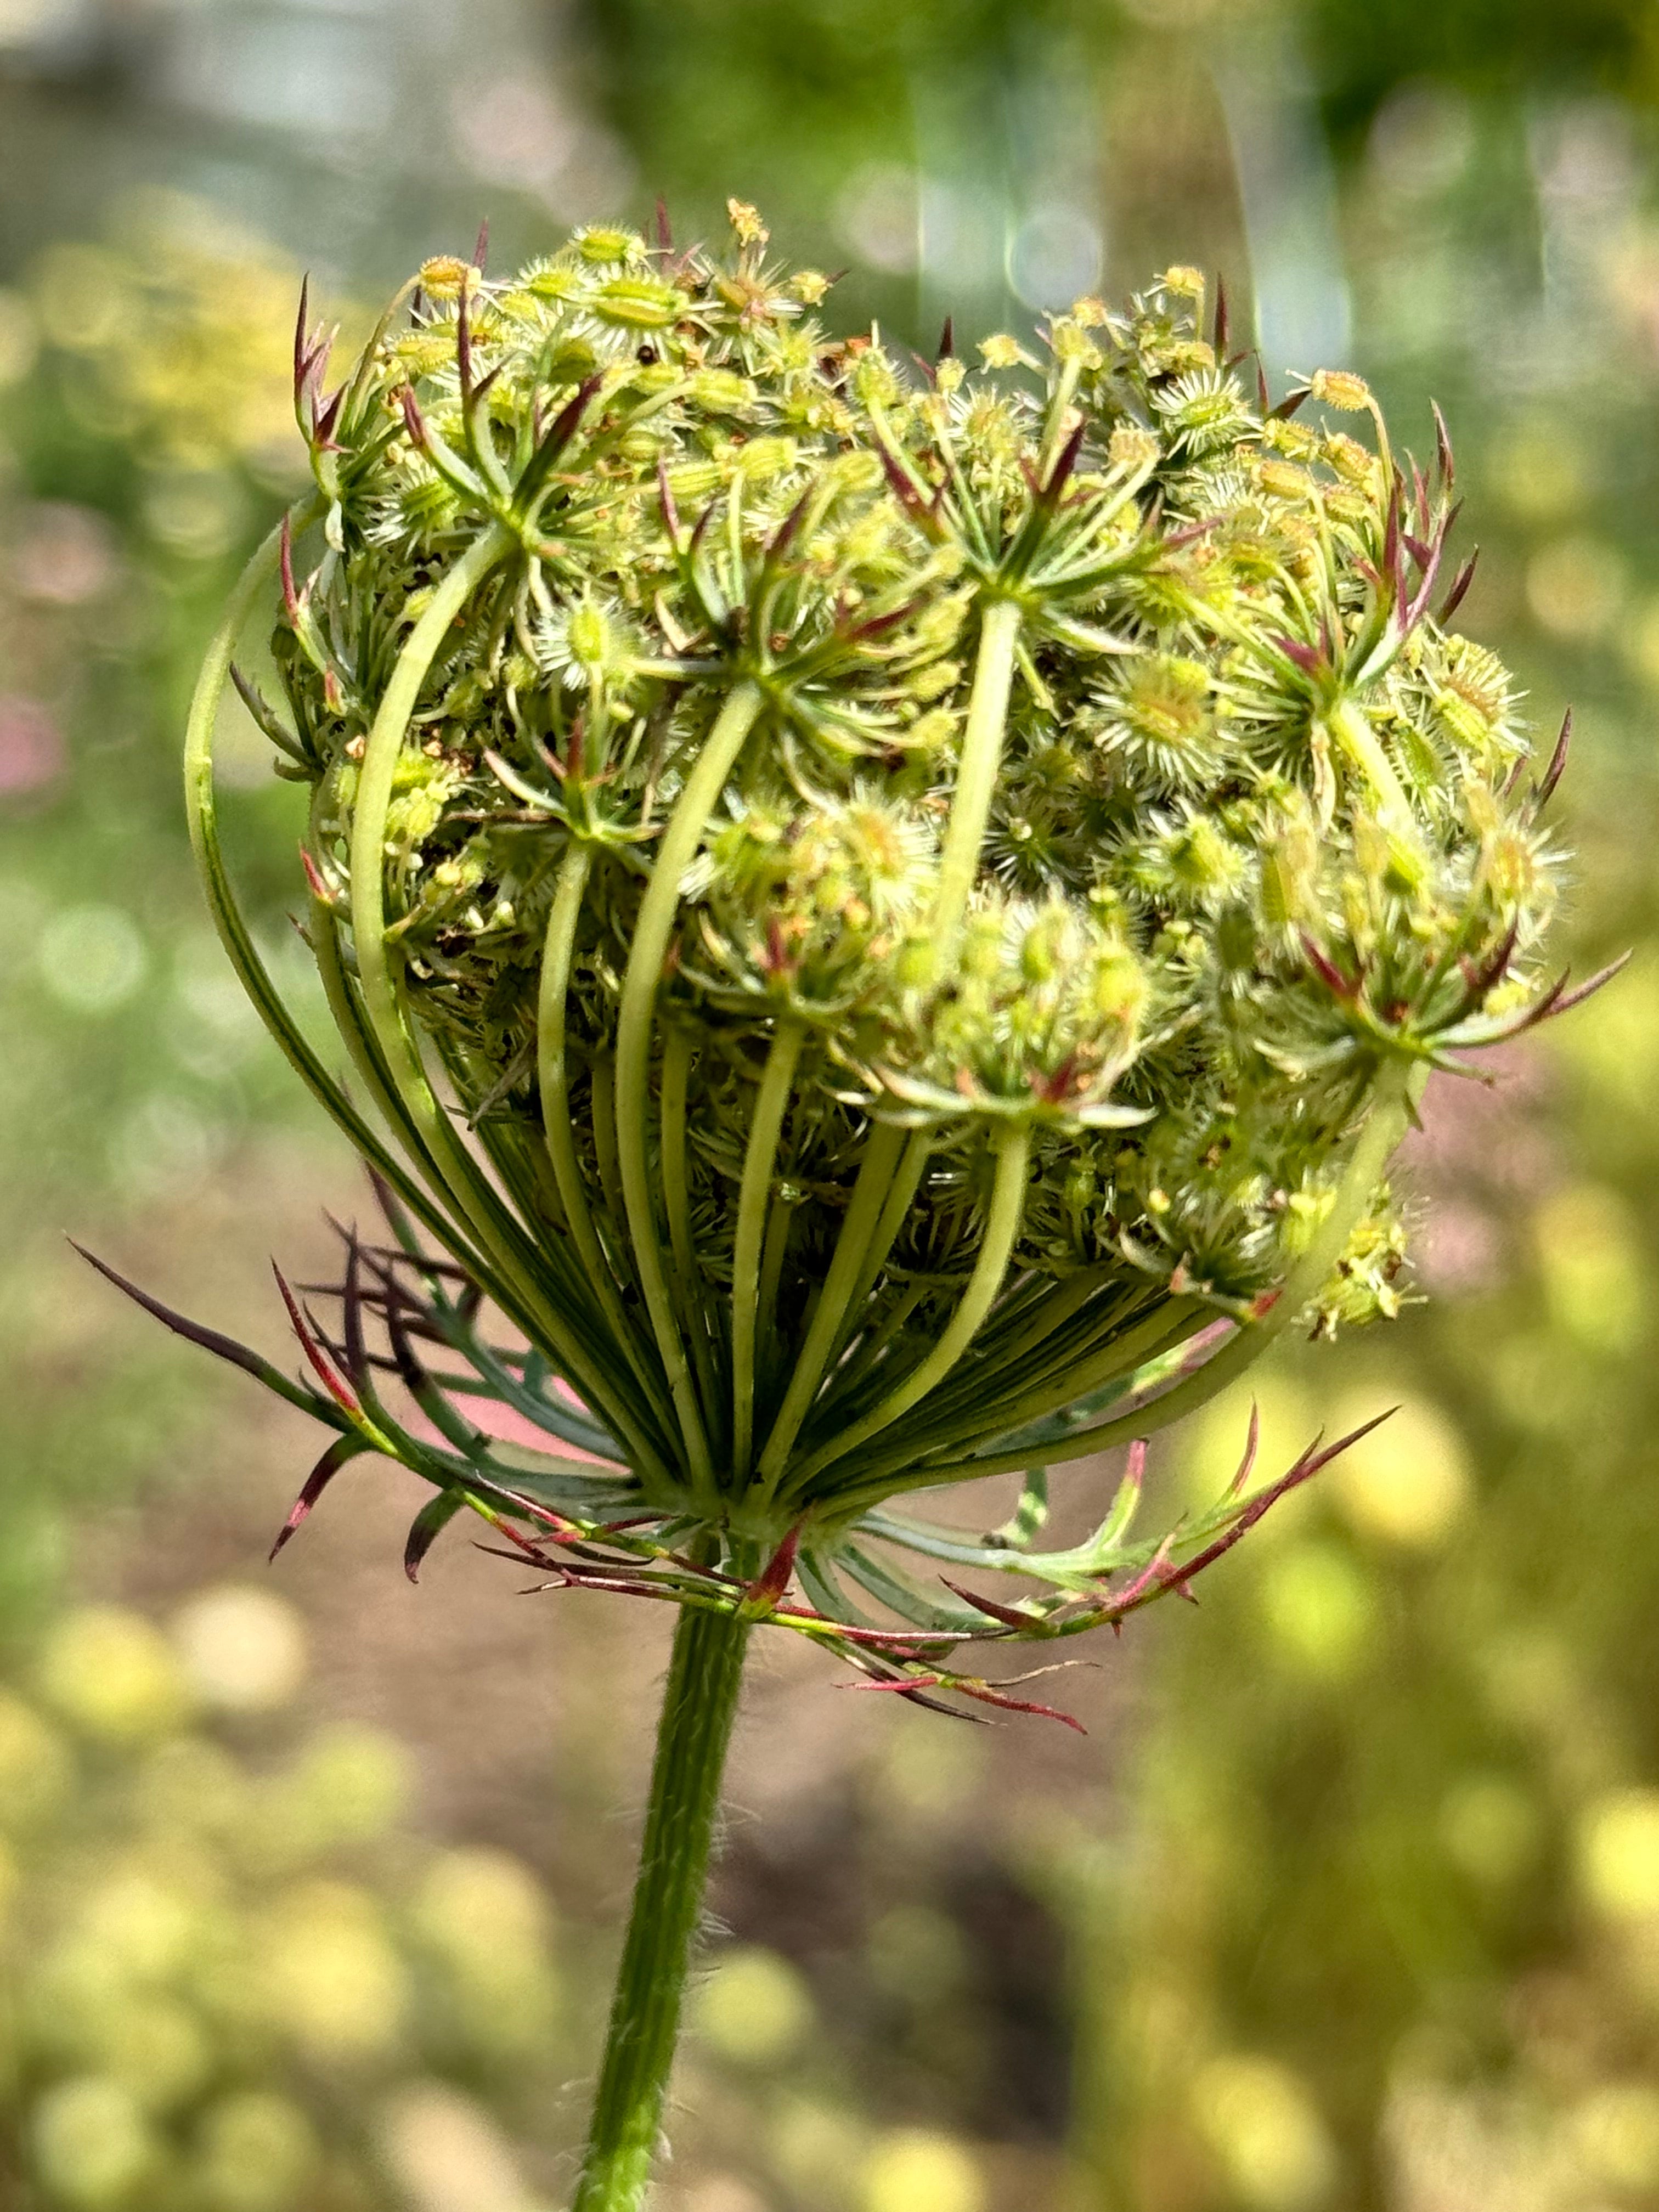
(699, 1707)
(881, 1153)
(1003, 1218)
(654, 926)
(1398, 1088)
(976, 777)
(760, 1159)
(553, 1081)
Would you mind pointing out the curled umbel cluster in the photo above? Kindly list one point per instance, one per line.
(884, 907)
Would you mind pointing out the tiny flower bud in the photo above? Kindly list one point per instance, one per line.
(1342, 389)
(1001, 351)
(746, 222)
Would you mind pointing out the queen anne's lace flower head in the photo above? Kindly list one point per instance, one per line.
(890, 915)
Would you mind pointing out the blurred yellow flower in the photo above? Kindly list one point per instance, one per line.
(243, 1649)
(92, 2147)
(1408, 1482)
(1265, 2132)
(35, 1769)
(484, 1917)
(447, 2155)
(144, 1925)
(1594, 1272)
(807, 2137)
(753, 2007)
(258, 2152)
(1318, 1608)
(915, 2170)
(1213, 1441)
(1618, 1854)
(477, 1903)
(332, 1977)
(1616, 2130)
(159, 2051)
(183, 325)
(113, 1675)
(350, 1784)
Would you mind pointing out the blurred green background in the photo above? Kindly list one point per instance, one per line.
(309, 1882)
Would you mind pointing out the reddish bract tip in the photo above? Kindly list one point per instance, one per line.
(774, 1578)
(320, 1365)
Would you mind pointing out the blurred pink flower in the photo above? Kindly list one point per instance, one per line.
(65, 557)
(1483, 1152)
(31, 749)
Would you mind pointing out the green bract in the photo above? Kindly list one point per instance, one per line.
(892, 915)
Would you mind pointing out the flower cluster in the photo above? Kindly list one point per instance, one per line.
(893, 911)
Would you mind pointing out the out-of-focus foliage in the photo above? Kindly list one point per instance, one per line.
(1514, 48)
(931, 132)
(822, 92)
(236, 1981)
(146, 385)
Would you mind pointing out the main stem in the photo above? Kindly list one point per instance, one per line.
(698, 1709)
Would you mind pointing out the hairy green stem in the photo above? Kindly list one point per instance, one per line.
(699, 1707)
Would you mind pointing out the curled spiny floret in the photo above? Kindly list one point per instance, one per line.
(1159, 722)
